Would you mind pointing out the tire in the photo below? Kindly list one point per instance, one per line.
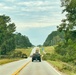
(40, 60)
(32, 60)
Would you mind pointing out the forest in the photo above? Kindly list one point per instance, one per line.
(64, 39)
(9, 38)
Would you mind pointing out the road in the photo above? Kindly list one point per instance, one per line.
(10, 68)
(33, 68)
(39, 68)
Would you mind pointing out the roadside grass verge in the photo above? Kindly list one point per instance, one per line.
(63, 67)
(48, 49)
(12, 59)
(26, 51)
(4, 61)
(55, 59)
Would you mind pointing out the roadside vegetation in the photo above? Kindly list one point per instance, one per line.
(26, 51)
(13, 45)
(18, 54)
(64, 56)
(68, 68)
(6, 60)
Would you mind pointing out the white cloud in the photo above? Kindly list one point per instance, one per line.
(37, 3)
(5, 7)
(47, 8)
(10, 0)
(33, 3)
(24, 25)
(1, 4)
(8, 8)
(52, 18)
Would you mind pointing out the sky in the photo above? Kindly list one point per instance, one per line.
(33, 18)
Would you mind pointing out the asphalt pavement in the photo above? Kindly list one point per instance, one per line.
(39, 68)
(33, 68)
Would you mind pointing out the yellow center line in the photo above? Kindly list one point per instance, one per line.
(18, 71)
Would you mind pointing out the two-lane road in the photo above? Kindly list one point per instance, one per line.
(33, 68)
(39, 68)
(10, 68)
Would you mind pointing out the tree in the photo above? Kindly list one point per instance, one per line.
(68, 49)
(7, 30)
(22, 41)
(69, 23)
(54, 38)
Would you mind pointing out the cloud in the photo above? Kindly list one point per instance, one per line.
(5, 7)
(8, 8)
(1, 4)
(38, 13)
(37, 3)
(22, 25)
(10, 0)
(29, 6)
(37, 9)
(33, 3)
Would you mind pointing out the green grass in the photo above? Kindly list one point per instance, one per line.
(8, 60)
(59, 65)
(4, 61)
(25, 51)
(65, 68)
(49, 49)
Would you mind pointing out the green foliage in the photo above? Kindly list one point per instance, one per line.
(69, 23)
(8, 39)
(61, 61)
(7, 30)
(52, 57)
(54, 38)
(17, 54)
(7, 60)
(22, 41)
(68, 48)
(46, 56)
(68, 52)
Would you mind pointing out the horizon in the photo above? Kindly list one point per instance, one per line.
(35, 19)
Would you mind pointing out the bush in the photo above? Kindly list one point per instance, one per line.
(52, 57)
(46, 56)
(18, 54)
(55, 57)
(67, 67)
(4, 56)
(68, 52)
(24, 56)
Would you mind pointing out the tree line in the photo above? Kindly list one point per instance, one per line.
(68, 48)
(22, 41)
(9, 40)
(54, 38)
(66, 31)
(65, 51)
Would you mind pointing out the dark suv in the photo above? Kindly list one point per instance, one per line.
(36, 56)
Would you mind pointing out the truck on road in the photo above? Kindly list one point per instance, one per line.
(36, 56)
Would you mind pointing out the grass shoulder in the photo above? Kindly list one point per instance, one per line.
(55, 59)
(16, 55)
(7, 60)
(63, 67)
(26, 51)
